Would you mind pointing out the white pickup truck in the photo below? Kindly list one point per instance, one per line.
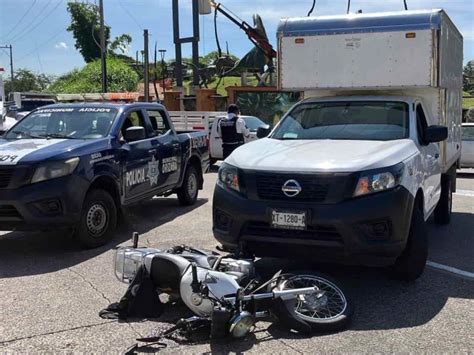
(352, 173)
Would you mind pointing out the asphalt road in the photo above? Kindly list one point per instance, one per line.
(51, 291)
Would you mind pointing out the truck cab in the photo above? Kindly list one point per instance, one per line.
(352, 173)
(75, 166)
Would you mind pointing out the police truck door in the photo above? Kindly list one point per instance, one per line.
(167, 148)
(139, 164)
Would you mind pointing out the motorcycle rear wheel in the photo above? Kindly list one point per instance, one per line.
(332, 312)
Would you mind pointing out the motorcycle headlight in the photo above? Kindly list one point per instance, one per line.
(381, 180)
(229, 177)
(55, 169)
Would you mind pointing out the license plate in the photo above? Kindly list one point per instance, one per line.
(289, 220)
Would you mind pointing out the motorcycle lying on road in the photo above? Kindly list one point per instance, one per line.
(227, 295)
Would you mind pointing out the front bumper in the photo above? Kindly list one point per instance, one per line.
(49, 204)
(369, 230)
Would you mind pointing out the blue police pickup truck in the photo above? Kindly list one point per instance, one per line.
(77, 165)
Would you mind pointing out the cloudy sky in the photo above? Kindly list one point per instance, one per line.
(37, 28)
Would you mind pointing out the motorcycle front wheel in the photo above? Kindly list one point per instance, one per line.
(329, 310)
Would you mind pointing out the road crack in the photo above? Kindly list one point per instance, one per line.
(3, 342)
(285, 344)
(102, 295)
(90, 284)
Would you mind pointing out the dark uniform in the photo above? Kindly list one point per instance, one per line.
(230, 138)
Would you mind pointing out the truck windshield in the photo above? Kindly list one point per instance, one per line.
(71, 123)
(349, 120)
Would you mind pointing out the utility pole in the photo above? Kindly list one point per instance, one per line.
(163, 67)
(178, 41)
(11, 66)
(103, 48)
(195, 42)
(145, 74)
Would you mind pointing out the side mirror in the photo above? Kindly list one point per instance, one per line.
(134, 134)
(435, 134)
(263, 131)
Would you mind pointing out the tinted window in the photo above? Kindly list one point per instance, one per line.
(421, 123)
(351, 120)
(158, 122)
(253, 123)
(80, 123)
(133, 119)
(468, 133)
(30, 105)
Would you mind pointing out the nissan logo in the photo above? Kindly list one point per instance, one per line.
(291, 188)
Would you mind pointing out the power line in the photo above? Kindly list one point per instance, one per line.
(39, 23)
(27, 26)
(41, 44)
(21, 19)
(130, 15)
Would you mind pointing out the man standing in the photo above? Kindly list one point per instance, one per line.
(232, 130)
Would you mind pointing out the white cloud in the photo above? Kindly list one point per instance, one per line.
(61, 45)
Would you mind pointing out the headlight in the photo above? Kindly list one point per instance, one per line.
(379, 180)
(229, 177)
(54, 170)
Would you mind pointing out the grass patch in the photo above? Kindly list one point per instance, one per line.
(467, 102)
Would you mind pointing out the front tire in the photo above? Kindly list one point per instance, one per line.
(332, 312)
(188, 192)
(410, 264)
(98, 219)
(442, 213)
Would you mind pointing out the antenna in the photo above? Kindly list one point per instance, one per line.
(405, 3)
(348, 6)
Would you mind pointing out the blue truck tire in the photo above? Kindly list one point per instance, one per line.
(188, 192)
(98, 219)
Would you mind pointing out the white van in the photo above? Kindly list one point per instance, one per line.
(351, 173)
(215, 140)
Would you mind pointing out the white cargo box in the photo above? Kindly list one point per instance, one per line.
(379, 50)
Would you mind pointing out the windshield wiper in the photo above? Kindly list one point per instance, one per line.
(28, 134)
(56, 135)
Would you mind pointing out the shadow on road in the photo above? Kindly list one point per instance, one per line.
(33, 253)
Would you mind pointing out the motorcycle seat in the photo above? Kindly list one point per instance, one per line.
(165, 270)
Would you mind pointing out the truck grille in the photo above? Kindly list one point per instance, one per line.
(6, 174)
(313, 188)
(8, 211)
(327, 233)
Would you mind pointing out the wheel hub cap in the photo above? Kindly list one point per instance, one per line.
(192, 185)
(96, 219)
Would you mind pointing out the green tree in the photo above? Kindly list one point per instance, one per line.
(211, 57)
(86, 30)
(88, 79)
(468, 77)
(121, 43)
(26, 80)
